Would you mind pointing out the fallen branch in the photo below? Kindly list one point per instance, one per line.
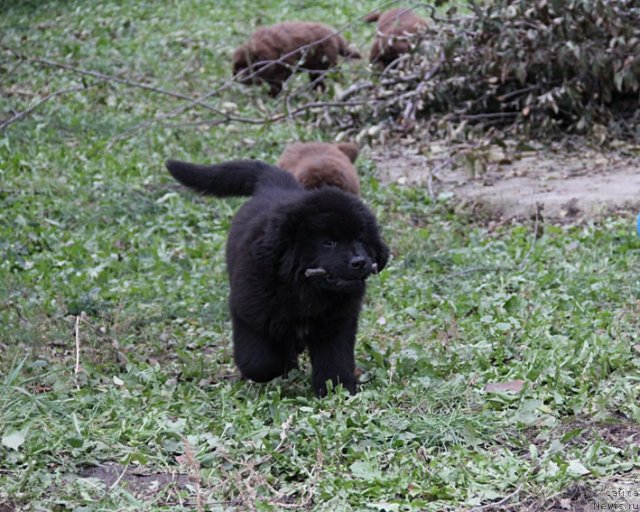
(33, 107)
(111, 78)
(276, 118)
(200, 101)
(226, 84)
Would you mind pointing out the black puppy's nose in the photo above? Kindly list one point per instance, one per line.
(358, 262)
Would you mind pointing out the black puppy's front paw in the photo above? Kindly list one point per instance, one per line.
(320, 384)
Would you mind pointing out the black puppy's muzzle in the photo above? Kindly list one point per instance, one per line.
(358, 263)
(357, 268)
(360, 267)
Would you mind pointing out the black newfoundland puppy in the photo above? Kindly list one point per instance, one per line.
(297, 261)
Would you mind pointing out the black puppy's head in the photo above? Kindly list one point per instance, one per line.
(328, 240)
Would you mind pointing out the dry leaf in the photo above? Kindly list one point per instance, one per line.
(183, 460)
(565, 503)
(503, 387)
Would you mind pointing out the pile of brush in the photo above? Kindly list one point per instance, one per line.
(572, 65)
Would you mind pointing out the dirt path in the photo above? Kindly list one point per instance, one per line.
(578, 183)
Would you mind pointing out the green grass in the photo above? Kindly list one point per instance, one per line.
(90, 222)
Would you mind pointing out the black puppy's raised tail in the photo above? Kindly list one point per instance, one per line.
(234, 178)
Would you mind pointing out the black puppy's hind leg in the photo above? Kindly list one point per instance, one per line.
(257, 358)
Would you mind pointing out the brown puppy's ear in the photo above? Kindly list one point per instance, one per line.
(350, 149)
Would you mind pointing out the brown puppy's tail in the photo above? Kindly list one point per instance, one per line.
(371, 17)
(350, 52)
(347, 50)
(234, 178)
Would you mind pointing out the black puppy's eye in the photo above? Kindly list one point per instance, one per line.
(329, 243)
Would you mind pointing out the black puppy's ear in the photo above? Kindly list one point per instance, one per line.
(277, 245)
(377, 249)
(381, 253)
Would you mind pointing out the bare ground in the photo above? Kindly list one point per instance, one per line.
(510, 179)
(142, 483)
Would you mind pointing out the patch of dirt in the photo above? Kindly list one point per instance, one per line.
(140, 481)
(511, 178)
(577, 498)
(614, 492)
(582, 431)
(620, 435)
(618, 492)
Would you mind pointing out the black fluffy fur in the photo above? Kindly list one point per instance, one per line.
(277, 235)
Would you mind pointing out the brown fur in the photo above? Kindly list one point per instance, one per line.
(317, 164)
(393, 34)
(277, 41)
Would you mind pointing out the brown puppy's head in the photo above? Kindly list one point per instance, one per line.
(245, 69)
(319, 164)
(240, 62)
(394, 34)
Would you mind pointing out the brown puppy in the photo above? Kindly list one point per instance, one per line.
(393, 34)
(311, 47)
(317, 164)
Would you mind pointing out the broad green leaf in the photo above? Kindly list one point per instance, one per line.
(14, 440)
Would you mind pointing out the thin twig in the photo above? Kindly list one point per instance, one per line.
(77, 369)
(276, 118)
(13, 69)
(114, 484)
(488, 115)
(367, 84)
(194, 469)
(112, 78)
(357, 87)
(431, 173)
(395, 63)
(410, 110)
(504, 500)
(535, 236)
(513, 94)
(28, 111)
